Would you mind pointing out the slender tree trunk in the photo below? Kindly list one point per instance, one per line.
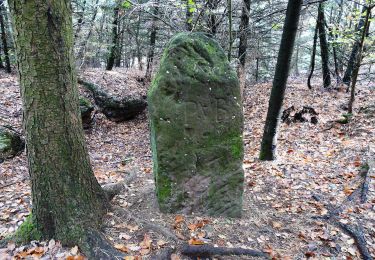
(82, 47)
(352, 59)
(296, 62)
(242, 48)
(119, 42)
(268, 147)
(358, 60)
(324, 53)
(138, 42)
(244, 27)
(312, 62)
(189, 16)
(212, 23)
(151, 52)
(230, 27)
(113, 54)
(4, 38)
(80, 21)
(1, 61)
(67, 201)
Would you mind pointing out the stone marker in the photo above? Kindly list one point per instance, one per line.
(196, 129)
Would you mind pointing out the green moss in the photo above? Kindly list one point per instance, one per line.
(26, 232)
(164, 188)
(5, 142)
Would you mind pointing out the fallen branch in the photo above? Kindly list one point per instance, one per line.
(12, 183)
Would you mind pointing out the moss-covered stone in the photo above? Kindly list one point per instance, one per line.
(196, 129)
(114, 108)
(11, 143)
(86, 109)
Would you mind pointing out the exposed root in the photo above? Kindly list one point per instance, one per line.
(356, 232)
(353, 230)
(156, 228)
(208, 251)
(96, 246)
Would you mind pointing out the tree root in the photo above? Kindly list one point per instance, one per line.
(96, 246)
(355, 231)
(158, 229)
(209, 250)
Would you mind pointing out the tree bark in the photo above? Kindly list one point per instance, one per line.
(358, 60)
(230, 28)
(212, 23)
(68, 202)
(354, 53)
(324, 53)
(189, 16)
(244, 27)
(312, 62)
(4, 38)
(113, 54)
(151, 52)
(268, 147)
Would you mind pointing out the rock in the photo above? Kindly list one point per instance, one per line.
(196, 129)
(86, 112)
(11, 143)
(113, 108)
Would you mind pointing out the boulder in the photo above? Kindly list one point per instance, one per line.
(196, 124)
(86, 112)
(11, 143)
(116, 109)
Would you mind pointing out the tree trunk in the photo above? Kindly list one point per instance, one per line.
(242, 48)
(268, 147)
(358, 60)
(230, 27)
(113, 54)
(67, 201)
(1, 60)
(212, 23)
(4, 38)
(353, 56)
(312, 63)
(120, 41)
(189, 16)
(83, 45)
(151, 52)
(80, 22)
(244, 27)
(324, 53)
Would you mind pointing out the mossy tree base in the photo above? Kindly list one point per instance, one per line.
(196, 129)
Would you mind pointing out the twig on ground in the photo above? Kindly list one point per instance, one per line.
(12, 183)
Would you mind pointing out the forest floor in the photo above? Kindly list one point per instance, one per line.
(287, 202)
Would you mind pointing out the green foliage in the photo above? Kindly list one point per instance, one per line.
(26, 232)
(127, 4)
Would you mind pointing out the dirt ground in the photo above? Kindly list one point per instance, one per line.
(286, 201)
